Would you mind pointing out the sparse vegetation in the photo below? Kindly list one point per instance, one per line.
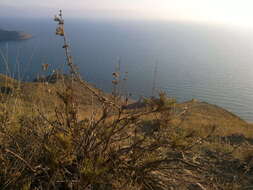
(66, 134)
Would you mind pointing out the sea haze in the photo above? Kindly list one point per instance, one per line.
(207, 62)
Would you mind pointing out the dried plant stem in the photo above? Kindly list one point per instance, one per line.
(20, 158)
(71, 65)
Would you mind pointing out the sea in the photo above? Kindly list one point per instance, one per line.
(208, 62)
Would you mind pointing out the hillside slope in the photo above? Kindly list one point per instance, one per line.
(198, 114)
(190, 145)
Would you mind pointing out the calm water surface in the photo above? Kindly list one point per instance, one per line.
(207, 62)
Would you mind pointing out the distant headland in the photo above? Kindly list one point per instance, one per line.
(13, 35)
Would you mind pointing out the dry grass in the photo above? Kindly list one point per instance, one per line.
(184, 154)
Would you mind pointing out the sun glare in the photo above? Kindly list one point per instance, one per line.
(228, 12)
(232, 12)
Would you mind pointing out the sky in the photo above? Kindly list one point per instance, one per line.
(236, 12)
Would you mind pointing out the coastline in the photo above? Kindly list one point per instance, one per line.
(13, 36)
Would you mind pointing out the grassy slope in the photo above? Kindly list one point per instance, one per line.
(199, 117)
(202, 114)
(43, 95)
(198, 114)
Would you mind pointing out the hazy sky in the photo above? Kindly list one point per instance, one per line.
(238, 12)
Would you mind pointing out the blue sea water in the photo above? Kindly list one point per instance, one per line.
(212, 63)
